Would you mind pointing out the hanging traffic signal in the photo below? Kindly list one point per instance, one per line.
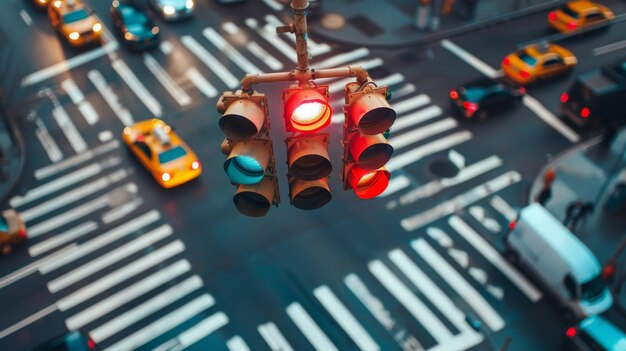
(368, 116)
(306, 108)
(307, 111)
(250, 160)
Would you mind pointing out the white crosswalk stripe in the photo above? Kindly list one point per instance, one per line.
(273, 337)
(309, 328)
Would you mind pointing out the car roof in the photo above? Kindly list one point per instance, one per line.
(605, 333)
(555, 235)
(581, 5)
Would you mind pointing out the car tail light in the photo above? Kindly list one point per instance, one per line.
(552, 16)
(571, 332)
(195, 165)
(91, 344)
(454, 95)
(564, 97)
(571, 25)
(522, 90)
(166, 177)
(585, 112)
(470, 107)
(506, 61)
(22, 233)
(524, 74)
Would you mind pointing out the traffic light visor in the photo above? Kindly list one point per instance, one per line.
(370, 152)
(242, 120)
(255, 200)
(308, 110)
(308, 158)
(310, 195)
(372, 114)
(247, 162)
(369, 184)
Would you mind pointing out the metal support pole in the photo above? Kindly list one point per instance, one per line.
(252, 79)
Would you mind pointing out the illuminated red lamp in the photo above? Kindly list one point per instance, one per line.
(571, 25)
(470, 107)
(454, 95)
(22, 233)
(571, 332)
(524, 74)
(307, 110)
(552, 16)
(585, 112)
(368, 184)
(91, 344)
(564, 97)
(506, 61)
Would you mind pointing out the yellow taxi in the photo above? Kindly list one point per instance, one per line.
(74, 21)
(158, 148)
(538, 61)
(42, 4)
(12, 231)
(578, 14)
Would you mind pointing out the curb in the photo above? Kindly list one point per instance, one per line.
(447, 33)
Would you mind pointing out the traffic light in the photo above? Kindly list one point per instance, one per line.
(307, 111)
(250, 163)
(368, 116)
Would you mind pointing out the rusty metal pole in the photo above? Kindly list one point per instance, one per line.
(300, 9)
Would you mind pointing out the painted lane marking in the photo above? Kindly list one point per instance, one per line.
(110, 97)
(420, 152)
(411, 303)
(393, 79)
(69, 64)
(75, 160)
(309, 328)
(121, 211)
(480, 215)
(48, 143)
(412, 103)
(345, 319)
(166, 47)
(78, 98)
(69, 129)
(456, 158)
(163, 324)
(269, 34)
(143, 310)
(220, 43)
(137, 87)
(60, 239)
(210, 61)
(28, 321)
(503, 208)
(26, 17)
(530, 102)
(101, 241)
(314, 47)
(112, 279)
(416, 117)
(117, 255)
(148, 307)
(458, 284)
(196, 333)
(273, 337)
(407, 89)
(449, 207)
(488, 252)
(71, 196)
(341, 59)
(609, 48)
(419, 134)
(274, 5)
(461, 342)
(166, 80)
(63, 182)
(105, 135)
(253, 47)
(236, 343)
(33, 267)
(396, 184)
(201, 83)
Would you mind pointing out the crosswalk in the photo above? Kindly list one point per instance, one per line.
(111, 263)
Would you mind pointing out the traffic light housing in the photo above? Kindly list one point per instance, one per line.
(307, 111)
(368, 116)
(250, 163)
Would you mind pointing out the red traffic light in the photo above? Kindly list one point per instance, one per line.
(306, 109)
(368, 184)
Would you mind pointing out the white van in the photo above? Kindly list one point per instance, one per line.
(566, 268)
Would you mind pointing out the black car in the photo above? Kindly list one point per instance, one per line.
(481, 97)
(72, 341)
(134, 26)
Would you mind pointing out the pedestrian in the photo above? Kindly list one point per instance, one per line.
(546, 188)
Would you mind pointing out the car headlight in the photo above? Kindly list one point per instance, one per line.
(169, 10)
(166, 177)
(155, 30)
(129, 36)
(74, 36)
(189, 4)
(97, 27)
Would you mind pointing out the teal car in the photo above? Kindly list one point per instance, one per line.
(597, 334)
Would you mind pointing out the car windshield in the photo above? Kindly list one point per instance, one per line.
(75, 16)
(4, 226)
(133, 17)
(478, 94)
(171, 154)
(568, 11)
(529, 60)
(593, 288)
